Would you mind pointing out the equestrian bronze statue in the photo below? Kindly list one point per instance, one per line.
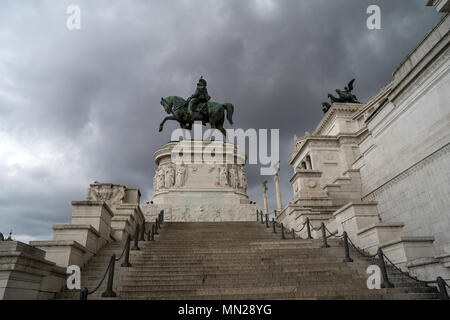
(197, 108)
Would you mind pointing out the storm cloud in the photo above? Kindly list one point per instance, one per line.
(83, 105)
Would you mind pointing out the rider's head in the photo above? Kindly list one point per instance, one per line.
(202, 81)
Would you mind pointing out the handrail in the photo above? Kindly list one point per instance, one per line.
(84, 292)
(440, 282)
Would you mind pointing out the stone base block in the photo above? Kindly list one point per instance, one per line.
(204, 213)
(85, 235)
(313, 202)
(95, 213)
(375, 234)
(429, 269)
(121, 227)
(356, 216)
(64, 252)
(26, 275)
(405, 249)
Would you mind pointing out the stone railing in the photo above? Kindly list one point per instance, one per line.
(25, 273)
(108, 215)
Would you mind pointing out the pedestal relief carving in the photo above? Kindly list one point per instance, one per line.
(181, 175)
(110, 193)
(234, 179)
(205, 191)
(223, 176)
(161, 179)
(243, 181)
(169, 177)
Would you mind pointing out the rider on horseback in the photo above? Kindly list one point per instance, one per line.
(198, 102)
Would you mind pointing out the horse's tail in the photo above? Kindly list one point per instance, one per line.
(230, 109)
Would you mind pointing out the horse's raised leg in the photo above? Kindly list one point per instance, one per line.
(161, 126)
(221, 129)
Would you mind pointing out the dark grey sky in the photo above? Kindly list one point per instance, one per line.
(79, 106)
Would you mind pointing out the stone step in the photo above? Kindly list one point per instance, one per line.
(262, 296)
(250, 268)
(306, 287)
(239, 260)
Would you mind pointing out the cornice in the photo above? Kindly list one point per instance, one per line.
(318, 138)
(337, 108)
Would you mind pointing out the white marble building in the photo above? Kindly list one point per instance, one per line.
(381, 170)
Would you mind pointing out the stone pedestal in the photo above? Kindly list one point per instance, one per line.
(306, 184)
(126, 216)
(200, 181)
(63, 252)
(25, 274)
(94, 213)
(356, 216)
(404, 249)
(85, 235)
(375, 234)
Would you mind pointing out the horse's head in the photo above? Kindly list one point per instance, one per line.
(166, 105)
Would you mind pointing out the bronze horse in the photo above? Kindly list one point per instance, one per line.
(215, 115)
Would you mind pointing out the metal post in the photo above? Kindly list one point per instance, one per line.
(109, 293)
(153, 233)
(143, 230)
(257, 215)
(443, 295)
(149, 235)
(282, 232)
(126, 262)
(136, 239)
(156, 226)
(347, 250)
(84, 294)
(273, 225)
(262, 217)
(293, 233)
(267, 220)
(382, 265)
(324, 236)
(308, 228)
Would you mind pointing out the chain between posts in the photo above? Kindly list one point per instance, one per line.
(109, 292)
(440, 282)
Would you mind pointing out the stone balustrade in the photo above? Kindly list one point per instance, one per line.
(110, 214)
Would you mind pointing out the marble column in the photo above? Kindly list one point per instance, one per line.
(266, 205)
(276, 178)
(308, 163)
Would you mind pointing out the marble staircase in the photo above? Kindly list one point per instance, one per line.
(239, 260)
